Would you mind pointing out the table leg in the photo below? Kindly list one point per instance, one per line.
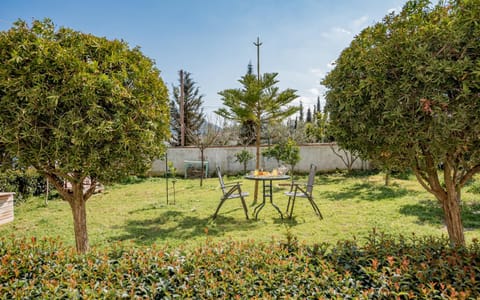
(267, 192)
(259, 207)
(271, 200)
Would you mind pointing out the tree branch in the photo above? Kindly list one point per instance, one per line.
(468, 175)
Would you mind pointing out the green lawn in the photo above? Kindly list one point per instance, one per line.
(352, 206)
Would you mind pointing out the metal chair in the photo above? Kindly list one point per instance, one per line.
(303, 191)
(230, 191)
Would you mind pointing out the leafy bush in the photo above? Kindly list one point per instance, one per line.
(243, 157)
(473, 186)
(24, 183)
(384, 267)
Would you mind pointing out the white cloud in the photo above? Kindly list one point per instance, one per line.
(395, 10)
(314, 91)
(336, 33)
(360, 23)
(306, 101)
(317, 72)
(331, 65)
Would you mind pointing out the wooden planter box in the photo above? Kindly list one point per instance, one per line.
(6, 207)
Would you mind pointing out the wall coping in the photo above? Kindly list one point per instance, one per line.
(6, 193)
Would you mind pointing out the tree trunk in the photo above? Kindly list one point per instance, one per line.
(201, 166)
(451, 205)
(77, 200)
(453, 219)
(78, 206)
(387, 178)
(447, 195)
(257, 165)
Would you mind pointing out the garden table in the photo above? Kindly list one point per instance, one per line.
(267, 190)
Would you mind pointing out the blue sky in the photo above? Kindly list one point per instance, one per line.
(213, 39)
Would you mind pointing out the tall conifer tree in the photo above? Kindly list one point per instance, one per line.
(194, 116)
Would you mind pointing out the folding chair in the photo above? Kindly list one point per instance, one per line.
(303, 191)
(230, 191)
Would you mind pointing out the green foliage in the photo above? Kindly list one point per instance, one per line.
(76, 103)
(405, 94)
(243, 157)
(24, 183)
(287, 151)
(474, 187)
(194, 117)
(416, 267)
(171, 169)
(75, 106)
(133, 179)
(273, 152)
(258, 102)
(384, 267)
(290, 152)
(408, 85)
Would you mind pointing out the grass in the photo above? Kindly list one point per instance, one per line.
(352, 206)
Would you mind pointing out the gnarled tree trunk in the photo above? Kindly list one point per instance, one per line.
(451, 204)
(78, 206)
(448, 196)
(453, 219)
(77, 198)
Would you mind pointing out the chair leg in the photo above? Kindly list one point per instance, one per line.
(293, 204)
(244, 207)
(218, 208)
(288, 205)
(315, 208)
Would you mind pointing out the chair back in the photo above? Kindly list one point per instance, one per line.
(220, 178)
(311, 179)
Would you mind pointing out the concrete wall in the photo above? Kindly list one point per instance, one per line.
(319, 154)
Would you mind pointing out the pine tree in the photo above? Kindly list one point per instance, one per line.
(194, 117)
(250, 68)
(259, 101)
(247, 129)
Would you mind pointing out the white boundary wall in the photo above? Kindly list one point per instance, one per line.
(319, 154)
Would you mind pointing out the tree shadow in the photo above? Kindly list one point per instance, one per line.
(326, 179)
(368, 191)
(426, 211)
(177, 225)
(430, 211)
(471, 215)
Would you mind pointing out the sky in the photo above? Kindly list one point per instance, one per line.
(214, 39)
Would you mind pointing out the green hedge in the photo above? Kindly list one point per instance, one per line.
(24, 183)
(382, 268)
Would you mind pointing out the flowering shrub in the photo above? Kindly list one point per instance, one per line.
(383, 267)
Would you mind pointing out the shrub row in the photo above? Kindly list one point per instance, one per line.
(382, 268)
(24, 183)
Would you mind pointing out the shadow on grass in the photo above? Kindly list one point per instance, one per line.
(327, 179)
(176, 225)
(429, 211)
(368, 191)
(426, 211)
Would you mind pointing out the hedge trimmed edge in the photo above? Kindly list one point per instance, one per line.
(382, 267)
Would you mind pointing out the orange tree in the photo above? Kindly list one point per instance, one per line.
(406, 94)
(76, 106)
